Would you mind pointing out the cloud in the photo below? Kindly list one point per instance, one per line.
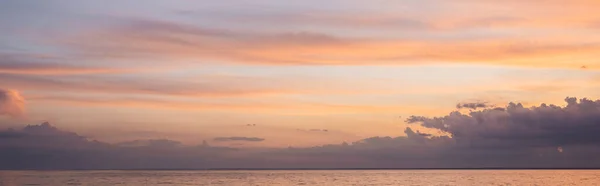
(249, 139)
(151, 143)
(432, 16)
(44, 136)
(13, 63)
(201, 86)
(323, 19)
(547, 136)
(313, 130)
(10, 134)
(279, 107)
(217, 86)
(518, 126)
(147, 39)
(474, 105)
(11, 103)
(44, 146)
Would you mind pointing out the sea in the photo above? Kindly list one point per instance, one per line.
(303, 177)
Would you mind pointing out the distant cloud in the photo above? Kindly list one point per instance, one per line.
(518, 126)
(474, 105)
(150, 143)
(11, 103)
(313, 130)
(544, 136)
(249, 139)
(11, 134)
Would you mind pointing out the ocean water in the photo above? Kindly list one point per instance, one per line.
(333, 177)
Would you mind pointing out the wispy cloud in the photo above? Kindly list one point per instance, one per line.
(175, 41)
(248, 139)
(11, 63)
(252, 106)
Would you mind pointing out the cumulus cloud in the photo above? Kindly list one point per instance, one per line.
(11, 103)
(249, 139)
(516, 125)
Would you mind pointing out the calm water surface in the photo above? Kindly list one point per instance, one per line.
(336, 178)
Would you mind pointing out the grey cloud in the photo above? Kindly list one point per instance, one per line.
(47, 147)
(150, 143)
(577, 123)
(10, 134)
(473, 105)
(44, 136)
(250, 139)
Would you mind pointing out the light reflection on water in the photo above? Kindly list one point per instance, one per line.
(332, 177)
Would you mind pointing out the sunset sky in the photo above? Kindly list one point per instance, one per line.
(272, 73)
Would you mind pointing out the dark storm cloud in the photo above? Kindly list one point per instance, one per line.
(250, 139)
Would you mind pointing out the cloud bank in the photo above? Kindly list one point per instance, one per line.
(544, 136)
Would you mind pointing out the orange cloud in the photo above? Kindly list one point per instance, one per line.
(37, 64)
(11, 103)
(288, 107)
(63, 71)
(160, 40)
(203, 86)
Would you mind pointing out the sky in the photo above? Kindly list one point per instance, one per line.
(267, 74)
